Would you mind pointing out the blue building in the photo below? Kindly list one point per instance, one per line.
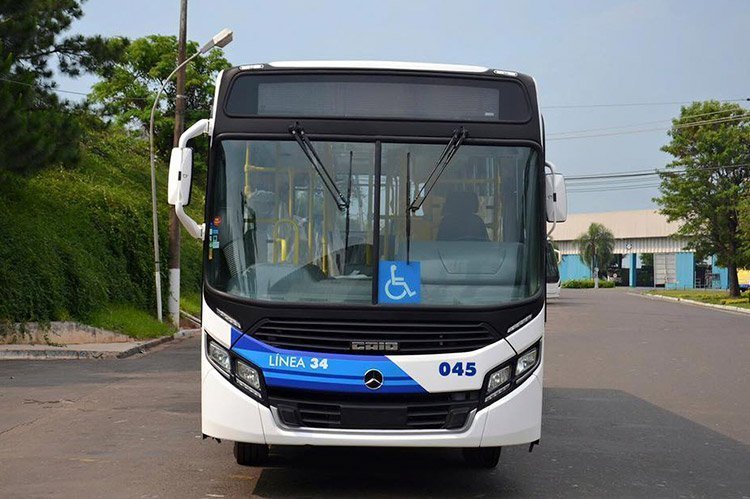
(647, 252)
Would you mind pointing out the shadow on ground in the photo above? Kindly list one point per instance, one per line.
(595, 442)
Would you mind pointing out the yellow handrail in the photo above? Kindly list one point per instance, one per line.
(282, 243)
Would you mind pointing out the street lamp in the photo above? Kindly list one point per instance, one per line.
(221, 39)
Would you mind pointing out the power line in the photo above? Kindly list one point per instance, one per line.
(646, 173)
(617, 175)
(618, 188)
(627, 181)
(613, 182)
(59, 90)
(8, 80)
(570, 132)
(608, 183)
(615, 188)
(633, 104)
(616, 184)
(661, 129)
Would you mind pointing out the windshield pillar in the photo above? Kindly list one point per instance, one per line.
(376, 226)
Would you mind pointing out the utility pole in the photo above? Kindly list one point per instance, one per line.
(179, 126)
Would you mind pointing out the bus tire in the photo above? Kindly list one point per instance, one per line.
(250, 454)
(482, 457)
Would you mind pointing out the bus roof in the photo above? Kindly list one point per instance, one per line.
(387, 65)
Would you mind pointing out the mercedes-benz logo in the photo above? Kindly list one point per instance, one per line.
(373, 379)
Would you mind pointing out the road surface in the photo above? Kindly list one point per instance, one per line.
(642, 398)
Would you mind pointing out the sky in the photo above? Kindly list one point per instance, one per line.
(589, 57)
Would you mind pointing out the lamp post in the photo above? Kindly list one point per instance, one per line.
(221, 39)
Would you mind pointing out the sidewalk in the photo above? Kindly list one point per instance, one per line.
(119, 350)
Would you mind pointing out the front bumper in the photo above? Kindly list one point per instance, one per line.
(227, 413)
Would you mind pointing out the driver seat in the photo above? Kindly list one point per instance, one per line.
(460, 220)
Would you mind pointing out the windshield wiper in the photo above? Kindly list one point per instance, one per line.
(459, 134)
(304, 143)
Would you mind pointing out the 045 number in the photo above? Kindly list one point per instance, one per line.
(445, 369)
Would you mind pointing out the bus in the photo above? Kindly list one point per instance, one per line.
(373, 257)
(553, 271)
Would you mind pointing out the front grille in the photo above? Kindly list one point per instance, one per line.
(337, 336)
(422, 411)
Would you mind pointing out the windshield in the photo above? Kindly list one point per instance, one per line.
(275, 233)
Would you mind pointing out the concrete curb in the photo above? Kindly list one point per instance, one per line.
(58, 354)
(186, 333)
(195, 320)
(726, 308)
(143, 347)
(54, 355)
(60, 332)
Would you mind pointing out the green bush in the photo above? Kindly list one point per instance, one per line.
(79, 238)
(587, 283)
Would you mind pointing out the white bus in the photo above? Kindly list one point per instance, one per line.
(374, 257)
(554, 284)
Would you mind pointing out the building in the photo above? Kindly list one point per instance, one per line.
(648, 251)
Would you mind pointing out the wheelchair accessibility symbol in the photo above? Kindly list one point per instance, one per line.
(399, 282)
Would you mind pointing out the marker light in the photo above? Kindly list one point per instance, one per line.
(219, 356)
(526, 361)
(228, 318)
(520, 323)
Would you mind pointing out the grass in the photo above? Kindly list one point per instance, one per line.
(130, 320)
(79, 239)
(706, 296)
(190, 302)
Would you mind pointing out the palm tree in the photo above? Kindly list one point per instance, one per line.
(595, 247)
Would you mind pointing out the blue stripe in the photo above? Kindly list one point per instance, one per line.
(235, 335)
(343, 373)
(329, 375)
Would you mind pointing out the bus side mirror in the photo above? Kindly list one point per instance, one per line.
(180, 176)
(556, 198)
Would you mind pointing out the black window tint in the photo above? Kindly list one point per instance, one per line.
(378, 96)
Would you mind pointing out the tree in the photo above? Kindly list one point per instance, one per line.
(126, 92)
(745, 226)
(595, 246)
(647, 259)
(710, 174)
(37, 127)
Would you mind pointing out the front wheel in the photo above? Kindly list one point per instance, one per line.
(482, 457)
(250, 454)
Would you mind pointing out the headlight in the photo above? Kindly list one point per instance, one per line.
(497, 383)
(241, 373)
(509, 375)
(526, 361)
(220, 357)
(248, 377)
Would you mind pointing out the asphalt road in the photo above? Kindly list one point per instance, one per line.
(642, 398)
